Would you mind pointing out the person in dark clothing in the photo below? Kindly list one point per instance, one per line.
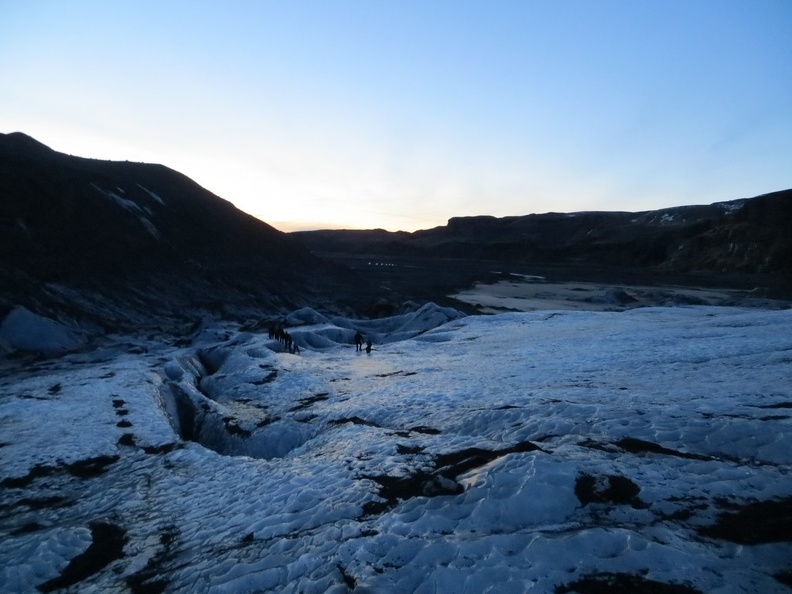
(368, 346)
(358, 341)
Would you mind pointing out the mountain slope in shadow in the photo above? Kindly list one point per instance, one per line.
(123, 244)
(744, 243)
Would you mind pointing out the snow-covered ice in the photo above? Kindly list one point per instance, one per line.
(23, 329)
(542, 452)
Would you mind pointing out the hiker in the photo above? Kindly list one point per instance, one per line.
(358, 341)
(368, 346)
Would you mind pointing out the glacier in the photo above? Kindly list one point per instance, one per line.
(548, 451)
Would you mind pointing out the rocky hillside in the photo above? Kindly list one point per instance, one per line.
(121, 243)
(742, 241)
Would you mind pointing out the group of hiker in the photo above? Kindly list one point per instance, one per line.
(359, 343)
(276, 331)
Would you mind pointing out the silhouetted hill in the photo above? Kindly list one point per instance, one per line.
(740, 243)
(127, 243)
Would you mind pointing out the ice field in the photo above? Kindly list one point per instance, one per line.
(547, 452)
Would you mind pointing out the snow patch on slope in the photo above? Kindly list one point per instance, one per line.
(133, 208)
(152, 194)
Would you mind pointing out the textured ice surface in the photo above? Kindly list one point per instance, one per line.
(513, 453)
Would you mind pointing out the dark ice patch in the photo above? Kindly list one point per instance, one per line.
(405, 450)
(785, 577)
(91, 467)
(28, 528)
(127, 439)
(161, 449)
(38, 471)
(306, 402)
(349, 580)
(88, 468)
(148, 580)
(355, 420)
(37, 503)
(639, 446)
(612, 489)
(267, 421)
(455, 463)
(391, 374)
(776, 405)
(755, 523)
(440, 479)
(425, 430)
(270, 377)
(622, 583)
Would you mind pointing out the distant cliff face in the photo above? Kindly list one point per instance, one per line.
(742, 241)
(119, 240)
(742, 236)
(751, 236)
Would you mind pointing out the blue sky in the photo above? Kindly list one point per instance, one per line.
(401, 114)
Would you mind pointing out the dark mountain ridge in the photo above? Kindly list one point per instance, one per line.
(128, 245)
(741, 243)
(124, 243)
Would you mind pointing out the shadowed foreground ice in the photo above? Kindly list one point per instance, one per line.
(542, 452)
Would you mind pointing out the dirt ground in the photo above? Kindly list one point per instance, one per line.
(530, 293)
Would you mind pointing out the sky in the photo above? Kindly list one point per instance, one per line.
(402, 114)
